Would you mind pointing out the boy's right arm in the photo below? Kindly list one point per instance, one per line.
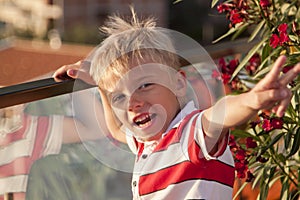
(79, 70)
(113, 124)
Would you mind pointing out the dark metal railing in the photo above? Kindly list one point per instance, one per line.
(37, 90)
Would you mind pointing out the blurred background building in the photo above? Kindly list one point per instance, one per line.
(51, 25)
(78, 20)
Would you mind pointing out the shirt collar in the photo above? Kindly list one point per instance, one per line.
(187, 109)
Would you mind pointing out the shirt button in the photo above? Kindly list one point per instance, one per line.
(144, 156)
(134, 183)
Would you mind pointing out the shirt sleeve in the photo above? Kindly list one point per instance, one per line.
(55, 134)
(199, 136)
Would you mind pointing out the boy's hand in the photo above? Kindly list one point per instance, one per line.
(79, 70)
(272, 91)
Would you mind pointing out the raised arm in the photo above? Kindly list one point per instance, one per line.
(113, 124)
(90, 109)
(270, 93)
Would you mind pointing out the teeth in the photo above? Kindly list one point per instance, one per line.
(143, 120)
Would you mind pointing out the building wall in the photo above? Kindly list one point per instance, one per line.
(96, 11)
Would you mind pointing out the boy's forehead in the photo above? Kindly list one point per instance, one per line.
(150, 72)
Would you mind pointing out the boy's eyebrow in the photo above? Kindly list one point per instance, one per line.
(144, 77)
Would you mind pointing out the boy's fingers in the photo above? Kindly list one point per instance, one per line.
(272, 77)
(71, 71)
(82, 75)
(276, 69)
(282, 106)
(61, 74)
(290, 75)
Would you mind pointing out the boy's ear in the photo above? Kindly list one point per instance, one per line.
(181, 84)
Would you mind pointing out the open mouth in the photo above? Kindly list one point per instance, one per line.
(143, 120)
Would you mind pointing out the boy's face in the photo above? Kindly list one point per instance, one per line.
(145, 99)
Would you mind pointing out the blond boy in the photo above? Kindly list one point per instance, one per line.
(181, 152)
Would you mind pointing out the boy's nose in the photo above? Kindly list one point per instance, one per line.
(135, 102)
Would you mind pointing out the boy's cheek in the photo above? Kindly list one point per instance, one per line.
(121, 114)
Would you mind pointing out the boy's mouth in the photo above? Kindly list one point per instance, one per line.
(143, 120)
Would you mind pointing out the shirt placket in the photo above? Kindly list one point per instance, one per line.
(140, 162)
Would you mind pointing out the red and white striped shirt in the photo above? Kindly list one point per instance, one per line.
(38, 137)
(179, 167)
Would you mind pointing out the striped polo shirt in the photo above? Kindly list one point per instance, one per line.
(38, 137)
(179, 166)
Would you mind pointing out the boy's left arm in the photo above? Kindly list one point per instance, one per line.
(270, 93)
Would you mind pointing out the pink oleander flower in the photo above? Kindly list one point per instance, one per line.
(264, 3)
(241, 169)
(276, 123)
(283, 38)
(240, 154)
(274, 41)
(253, 124)
(250, 176)
(222, 63)
(282, 28)
(280, 39)
(232, 143)
(287, 68)
(266, 125)
(226, 78)
(235, 84)
(223, 7)
(253, 63)
(235, 17)
(240, 174)
(250, 143)
(232, 65)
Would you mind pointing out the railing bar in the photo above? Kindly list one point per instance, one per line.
(37, 90)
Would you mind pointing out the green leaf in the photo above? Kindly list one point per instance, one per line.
(229, 32)
(240, 190)
(275, 139)
(258, 175)
(285, 188)
(288, 120)
(256, 30)
(264, 186)
(241, 133)
(262, 72)
(296, 143)
(275, 179)
(214, 2)
(177, 1)
(239, 31)
(262, 69)
(287, 139)
(247, 58)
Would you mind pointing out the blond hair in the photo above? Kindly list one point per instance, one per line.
(130, 41)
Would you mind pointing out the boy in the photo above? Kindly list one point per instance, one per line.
(181, 152)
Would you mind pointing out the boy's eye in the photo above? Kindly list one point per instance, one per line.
(117, 98)
(145, 85)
